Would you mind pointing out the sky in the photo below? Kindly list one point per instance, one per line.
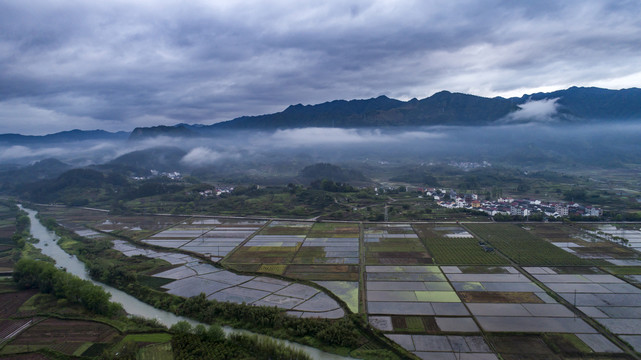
(117, 65)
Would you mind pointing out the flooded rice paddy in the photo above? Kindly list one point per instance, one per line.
(457, 302)
(609, 300)
(193, 277)
(48, 245)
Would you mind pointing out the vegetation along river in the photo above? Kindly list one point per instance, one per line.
(48, 245)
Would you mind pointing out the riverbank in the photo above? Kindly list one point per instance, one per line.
(121, 263)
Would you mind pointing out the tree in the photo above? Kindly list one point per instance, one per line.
(44, 276)
(181, 327)
(575, 194)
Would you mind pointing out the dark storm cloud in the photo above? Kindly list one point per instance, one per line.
(117, 65)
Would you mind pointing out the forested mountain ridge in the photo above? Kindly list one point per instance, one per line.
(442, 108)
(63, 136)
(576, 104)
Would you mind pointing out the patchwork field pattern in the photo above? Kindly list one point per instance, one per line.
(65, 336)
(330, 243)
(135, 227)
(302, 250)
(412, 298)
(441, 291)
(499, 308)
(394, 244)
(193, 277)
(11, 326)
(214, 238)
(445, 347)
(276, 244)
(585, 244)
(604, 297)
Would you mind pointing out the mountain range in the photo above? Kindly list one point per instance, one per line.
(63, 136)
(573, 105)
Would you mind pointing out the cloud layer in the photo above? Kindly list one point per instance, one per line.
(534, 111)
(521, 145)
(117, 64)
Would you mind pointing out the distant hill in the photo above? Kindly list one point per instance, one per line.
(41, 170)
(157, 158)
(64, 136)
(78, 187)
(180, 130)
(417, 176)
(73, 187)
(331, 172)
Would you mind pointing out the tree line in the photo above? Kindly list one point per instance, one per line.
(34, 274)
(21, 234)
(342, 332)
(202, 342)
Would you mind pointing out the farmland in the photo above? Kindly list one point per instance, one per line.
(31, 322)
(72, 326)
(453, 245)
(437, 290)
(395, 244)
(522, 246)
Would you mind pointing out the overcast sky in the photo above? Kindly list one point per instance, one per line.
(116, 65)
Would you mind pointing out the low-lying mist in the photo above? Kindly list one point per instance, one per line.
(526, 145)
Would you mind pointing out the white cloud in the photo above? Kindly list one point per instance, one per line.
(22, 152)
(336, 136)
(202, 156)
(18, 116)
(534, 111)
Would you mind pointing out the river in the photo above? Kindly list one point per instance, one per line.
(48, 245)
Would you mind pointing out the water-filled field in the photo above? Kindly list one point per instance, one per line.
(393, 244)
(441, 291)
(609, 300)
(193, 277)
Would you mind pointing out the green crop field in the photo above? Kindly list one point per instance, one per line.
(522, 246)
(156, 352)
(396, 251)
(262, 255)
(277, 269)
(329, 230)
(456, 251)
(148, 338)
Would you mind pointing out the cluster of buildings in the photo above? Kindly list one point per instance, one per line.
(508, 206)
(467, 166)
(174, 175)
(216, 192)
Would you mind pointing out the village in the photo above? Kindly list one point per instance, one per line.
(449, 198)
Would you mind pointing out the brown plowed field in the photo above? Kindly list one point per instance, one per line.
(9, 326)
(65, 335)
(25, 357)
(7, 231)
(12, 301)
(499, 297)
